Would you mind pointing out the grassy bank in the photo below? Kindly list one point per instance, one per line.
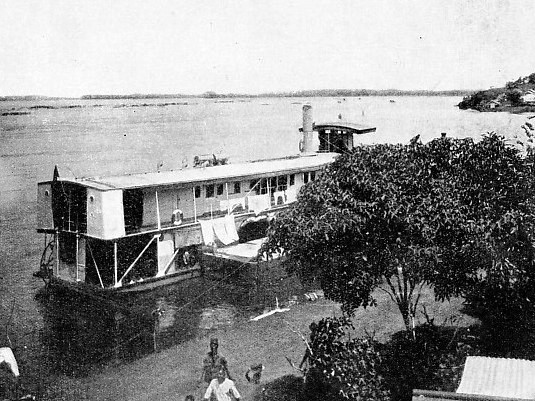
(173, 373)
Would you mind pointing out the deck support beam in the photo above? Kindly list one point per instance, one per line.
(119, 283)
(115, 263)
(158, 211)
(228, 203)
(171, 261)
(77, 255)
(95, 263)
(57, 253)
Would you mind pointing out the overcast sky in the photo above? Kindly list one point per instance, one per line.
(72, 48)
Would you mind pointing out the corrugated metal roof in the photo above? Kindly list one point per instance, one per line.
(207, 174)
(499, 377)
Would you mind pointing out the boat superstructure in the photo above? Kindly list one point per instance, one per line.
(135, 231)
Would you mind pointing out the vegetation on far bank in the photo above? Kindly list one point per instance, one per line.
(214, 95)
(509, 98)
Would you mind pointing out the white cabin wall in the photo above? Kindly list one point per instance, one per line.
(105, 215)
(182, 199)
(45, 218)
(185, 201)
(167, 202)
(149, 207)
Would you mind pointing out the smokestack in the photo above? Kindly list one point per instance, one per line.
(306, 144)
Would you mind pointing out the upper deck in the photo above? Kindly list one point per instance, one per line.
(198, 175)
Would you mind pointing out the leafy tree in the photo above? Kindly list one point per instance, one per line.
(452, 214)
(514, 96)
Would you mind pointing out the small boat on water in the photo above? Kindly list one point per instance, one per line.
(134, 232)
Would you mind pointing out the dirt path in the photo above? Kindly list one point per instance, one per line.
(175, 372)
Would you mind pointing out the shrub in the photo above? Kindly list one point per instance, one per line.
(432, 360)
(341, 368)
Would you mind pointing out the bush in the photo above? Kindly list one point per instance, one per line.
(433, 359)
(341, 368)
(285, 388)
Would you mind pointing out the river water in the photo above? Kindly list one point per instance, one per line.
(57, 334)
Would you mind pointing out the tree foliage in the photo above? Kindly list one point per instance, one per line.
(453, 214)
(341, 368)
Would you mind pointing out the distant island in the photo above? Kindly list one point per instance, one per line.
(303, 93)
(515, 97)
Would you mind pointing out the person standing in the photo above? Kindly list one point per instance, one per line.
(222, 388)
(213, 363)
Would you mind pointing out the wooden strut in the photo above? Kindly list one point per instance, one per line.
(96, 266)
(168, 265)
(119, 282)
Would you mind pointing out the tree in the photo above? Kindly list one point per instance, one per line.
(514, 96)
(451, 214)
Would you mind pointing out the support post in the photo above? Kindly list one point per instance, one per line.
(115, 262)
(194, 205)
(57, 253)
(228, 203)
(77, 256)
(158, 211)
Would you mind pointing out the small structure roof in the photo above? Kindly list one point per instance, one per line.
(227, 172)
(354, 127)
(498, 377)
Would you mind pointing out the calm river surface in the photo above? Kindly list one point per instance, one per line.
(58, 335)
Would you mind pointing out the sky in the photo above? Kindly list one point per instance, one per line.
(73, 48)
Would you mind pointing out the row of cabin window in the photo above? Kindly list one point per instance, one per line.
(259, 186)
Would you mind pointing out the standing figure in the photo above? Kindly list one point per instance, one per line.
(213, 363)
(222, 388)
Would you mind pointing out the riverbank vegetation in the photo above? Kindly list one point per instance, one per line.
(214, 95)
(513, 97)
(453, 215)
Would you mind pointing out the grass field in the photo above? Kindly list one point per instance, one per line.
(173, 373)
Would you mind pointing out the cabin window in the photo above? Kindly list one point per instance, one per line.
(263, 186)
(306, 177)
(282, 183)
(292, 179)
(312, 175)
(237, 187)
(220, 189)
(210, 191)
(272, 184)
(197, 191)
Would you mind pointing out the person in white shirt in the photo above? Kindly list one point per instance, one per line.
(221, 388)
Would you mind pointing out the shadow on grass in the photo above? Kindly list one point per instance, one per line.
(285, 388)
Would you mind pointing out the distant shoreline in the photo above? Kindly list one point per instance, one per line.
(213, 95)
